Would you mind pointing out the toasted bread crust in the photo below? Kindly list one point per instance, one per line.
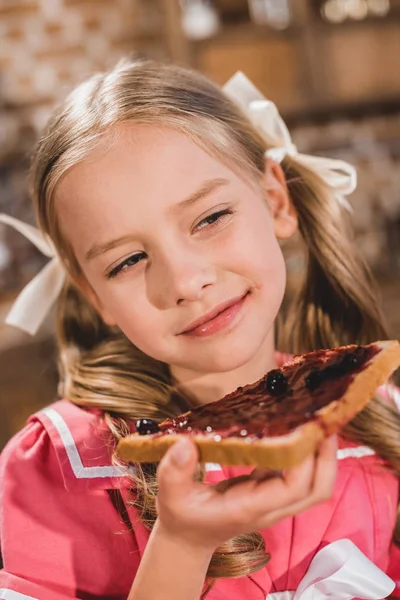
(284, 451)
(362, 388)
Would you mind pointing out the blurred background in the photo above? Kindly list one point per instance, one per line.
(331, 66)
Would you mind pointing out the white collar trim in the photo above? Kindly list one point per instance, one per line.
(80, 471)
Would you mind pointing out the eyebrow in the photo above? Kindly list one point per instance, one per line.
(208, 187)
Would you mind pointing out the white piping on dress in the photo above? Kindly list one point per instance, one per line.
(357, 452)
(212, 467)
(342, 453)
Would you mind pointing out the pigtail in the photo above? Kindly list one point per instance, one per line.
(337, 305)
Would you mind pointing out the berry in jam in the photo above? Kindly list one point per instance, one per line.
(146, 427)
(349, 362)
(314, 380)
(276, 383)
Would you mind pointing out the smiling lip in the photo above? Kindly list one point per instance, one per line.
(216, 319)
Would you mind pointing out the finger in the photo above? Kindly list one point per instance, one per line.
(226, 484)
(326, 470)
(176, 471)
(322, 487)
(285, 490)
(257, 475)
(298, 480)
(260, 474)
(328, 449)
(256, 499)
(323, 475)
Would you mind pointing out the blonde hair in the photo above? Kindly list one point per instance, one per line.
(99, 366)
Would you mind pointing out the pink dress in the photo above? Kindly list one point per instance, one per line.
(62, 536)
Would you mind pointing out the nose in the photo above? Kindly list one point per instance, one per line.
(178, 277)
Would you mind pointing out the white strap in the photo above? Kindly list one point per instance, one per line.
(36, 299)
(337, 174)
(340, 571)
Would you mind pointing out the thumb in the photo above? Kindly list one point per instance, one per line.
(177, 469)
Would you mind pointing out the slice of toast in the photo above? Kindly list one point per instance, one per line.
(282, 418)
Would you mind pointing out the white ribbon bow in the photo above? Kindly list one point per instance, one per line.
(340, 571)
(337, 174)
(36, 299)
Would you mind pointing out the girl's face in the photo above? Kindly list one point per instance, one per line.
(180, 252)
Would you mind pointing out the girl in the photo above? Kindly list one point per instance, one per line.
(162, 199)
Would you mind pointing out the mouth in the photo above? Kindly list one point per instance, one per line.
(217, 318)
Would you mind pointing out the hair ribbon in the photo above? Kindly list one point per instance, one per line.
(338, 175)
(36, 299)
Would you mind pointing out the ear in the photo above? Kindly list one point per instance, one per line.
(94, 300)
(282, 210)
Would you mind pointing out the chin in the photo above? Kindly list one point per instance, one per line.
(223, 359)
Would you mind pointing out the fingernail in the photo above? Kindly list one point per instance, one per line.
(181, 452)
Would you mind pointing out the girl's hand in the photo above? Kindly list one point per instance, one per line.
(206, 516)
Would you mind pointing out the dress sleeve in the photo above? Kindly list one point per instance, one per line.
(55, 544)
(392, 394)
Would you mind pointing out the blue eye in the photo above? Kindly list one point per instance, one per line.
(211, 220)
(124, 266)
(214, 218)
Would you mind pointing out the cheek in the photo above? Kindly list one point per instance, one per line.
(258, 254)
(137, 319)
(270, 261)
(127, 309)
